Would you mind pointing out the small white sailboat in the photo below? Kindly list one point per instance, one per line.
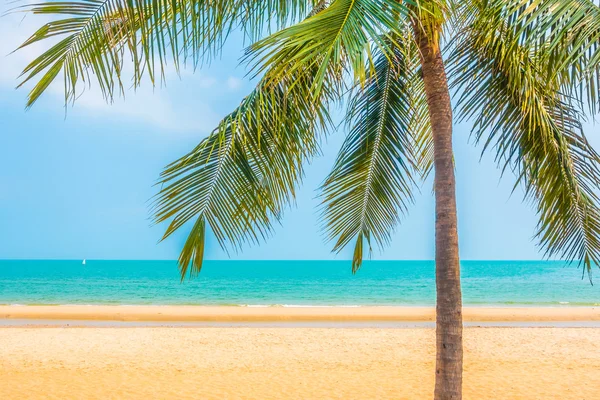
(83, 262)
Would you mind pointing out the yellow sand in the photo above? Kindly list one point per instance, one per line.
(224, 314)
(291, 363)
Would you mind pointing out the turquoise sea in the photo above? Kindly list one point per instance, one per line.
(326, 283)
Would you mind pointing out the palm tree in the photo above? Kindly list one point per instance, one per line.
(525, 72)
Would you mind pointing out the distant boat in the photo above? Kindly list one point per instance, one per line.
(83, 262)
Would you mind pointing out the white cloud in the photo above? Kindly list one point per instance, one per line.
(14, 30)
(234, 83)
(156, 106)
(207, 82)
(148, 107)
(188, 72)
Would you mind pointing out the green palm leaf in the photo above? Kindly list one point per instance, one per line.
(99, 35)
(565, 34)
(571, 32)
(372, 179)
(336, 38)
(536, 132)
(241, 178)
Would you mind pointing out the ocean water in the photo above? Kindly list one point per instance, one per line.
(267, 283)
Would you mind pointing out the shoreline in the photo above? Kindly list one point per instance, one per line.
(169, 313)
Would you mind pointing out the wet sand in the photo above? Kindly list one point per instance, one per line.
(293, 314)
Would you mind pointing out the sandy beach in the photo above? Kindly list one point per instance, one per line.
(290, 314)
(291, 363)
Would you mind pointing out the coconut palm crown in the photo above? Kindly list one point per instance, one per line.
(525, 73)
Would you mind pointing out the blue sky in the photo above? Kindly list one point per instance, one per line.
(77, 186)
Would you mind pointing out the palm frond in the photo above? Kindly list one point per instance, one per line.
(420, 126)
(334, 39)
(569, 33)
(372, 180)
(564, 34)
(98, 36)
(536, 132)
(241, 178)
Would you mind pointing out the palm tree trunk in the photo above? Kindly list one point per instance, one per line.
(449, 357)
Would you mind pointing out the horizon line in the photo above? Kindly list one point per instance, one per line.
(273, 259)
